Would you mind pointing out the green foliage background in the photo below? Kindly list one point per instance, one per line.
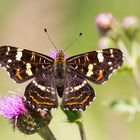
(22, 23)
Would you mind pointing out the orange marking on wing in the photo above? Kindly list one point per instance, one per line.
(40, 103)
(76, 103)
(78, 97)
(42, 97)
(100, 76)
(18, 74)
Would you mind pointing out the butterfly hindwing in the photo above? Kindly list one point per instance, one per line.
(77, 93)
(41, 92)
(96, 66)
(23, 64)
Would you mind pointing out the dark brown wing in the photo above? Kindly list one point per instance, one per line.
(23, 64)
(96, 66)
(78, 94)
(41, 92)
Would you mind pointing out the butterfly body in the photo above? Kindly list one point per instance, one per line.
(60, 71)
(66, 77)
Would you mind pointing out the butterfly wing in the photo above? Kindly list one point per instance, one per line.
(77, 92)
(96, 66)
(41, 92)
(23, 64)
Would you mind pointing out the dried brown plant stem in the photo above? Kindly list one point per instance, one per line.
(81, 130)
(46, 133)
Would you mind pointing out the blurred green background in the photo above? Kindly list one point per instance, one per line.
(21, 25)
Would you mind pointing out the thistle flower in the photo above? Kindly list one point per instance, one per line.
(32, 121)
(131, 26)
(104, 22)
(22, 116)
(53, 53)
(11, 107)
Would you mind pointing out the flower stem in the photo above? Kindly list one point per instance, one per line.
(136, 75)
(81, 129)
(75, 117)
(127, 56)
(131, 61)
(136, 72)
(46, 133)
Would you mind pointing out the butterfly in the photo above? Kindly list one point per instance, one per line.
(60, 76)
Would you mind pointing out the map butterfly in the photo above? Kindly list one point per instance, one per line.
(66, 77)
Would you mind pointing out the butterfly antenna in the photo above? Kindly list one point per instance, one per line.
(50, 39)
(80, 34)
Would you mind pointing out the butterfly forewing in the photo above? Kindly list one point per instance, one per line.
(23, 64)
(96, 66)
(77, 92)
(41, 92)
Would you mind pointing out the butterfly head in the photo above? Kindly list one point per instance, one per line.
(60, 56)
(60, 53)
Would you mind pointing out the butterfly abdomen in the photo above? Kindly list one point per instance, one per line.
(60, 91)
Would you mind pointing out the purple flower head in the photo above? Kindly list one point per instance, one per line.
(104, 22)
(12, 106)
(54, 53)
(130, 21)
(131, 26)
